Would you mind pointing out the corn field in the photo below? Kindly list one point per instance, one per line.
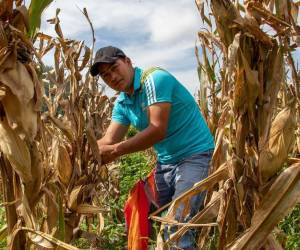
(51, 117)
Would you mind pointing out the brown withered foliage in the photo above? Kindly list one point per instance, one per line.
(51, 170)
(249, 95)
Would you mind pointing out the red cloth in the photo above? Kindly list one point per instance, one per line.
(136, 212)
(136, 216)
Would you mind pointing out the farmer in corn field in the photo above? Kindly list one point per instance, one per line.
(167, 117)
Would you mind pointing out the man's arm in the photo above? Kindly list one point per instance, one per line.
(155, 132)
(114, 134)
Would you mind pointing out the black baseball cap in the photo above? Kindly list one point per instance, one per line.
(107, 54)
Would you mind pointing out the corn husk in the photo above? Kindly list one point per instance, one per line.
(16, 151)
(281, 138)
(62, 163)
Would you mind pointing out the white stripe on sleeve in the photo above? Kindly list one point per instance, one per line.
(153, 88)
(149, 91)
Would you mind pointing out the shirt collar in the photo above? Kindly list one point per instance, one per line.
(123, 97)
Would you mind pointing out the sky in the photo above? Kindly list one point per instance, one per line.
(151, 32)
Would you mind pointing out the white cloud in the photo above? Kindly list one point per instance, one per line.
(189, 79)
(167, 20)
(154, 33)
(115, 14)
(166, 56)
(173, 23)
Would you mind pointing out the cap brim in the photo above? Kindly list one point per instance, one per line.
(94, 69)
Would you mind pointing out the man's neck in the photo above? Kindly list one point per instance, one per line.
(130, 90)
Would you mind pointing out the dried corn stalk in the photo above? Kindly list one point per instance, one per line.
(50, 120)
(252, 107)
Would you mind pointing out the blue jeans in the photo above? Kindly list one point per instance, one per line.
(174, 179)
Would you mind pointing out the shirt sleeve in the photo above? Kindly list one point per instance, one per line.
(159, 87)
(118, 115)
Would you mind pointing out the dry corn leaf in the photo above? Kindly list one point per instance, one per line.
(32, 191)
(4, 55)
(206, 216)
(272, 243)
(254, 30)
(101, 223)
(56, 22)
(269, 4)
(44, 48)
(86, 58)
(46, 237)
(6, 8)
(20, 83)
(232, 56)
(62, 163)
(51, 209)
(277, 23)
(93, 144)
(25, 212)
(38, 90)
(294, 11)
(73, 198)
(232, 222)
(274, 76)
(202, 102)
(89, 209)
(64, 127)
(171, 222)
(2, 92)
(251, 83)
(21, 117)
(282, 9)
(77, 51)
(22, 10)
(16, 151)
(281, 137)
(282, 196)
(3, 39)
(240, 94)
(224, 214)
(40, 241)
(221, 147)
(8, 59)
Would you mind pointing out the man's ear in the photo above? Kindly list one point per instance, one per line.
(127, 60)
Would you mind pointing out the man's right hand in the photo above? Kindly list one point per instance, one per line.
(108, 153)
(107, 144)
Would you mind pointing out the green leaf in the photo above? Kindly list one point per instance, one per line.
(61, 220)
(3, 233)
(36, 9)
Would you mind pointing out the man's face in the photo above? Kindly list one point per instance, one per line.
(118, 75)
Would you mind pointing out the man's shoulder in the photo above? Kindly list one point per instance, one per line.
(154, 72)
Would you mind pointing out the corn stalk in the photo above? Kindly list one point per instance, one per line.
(50, 166)
(249, 95)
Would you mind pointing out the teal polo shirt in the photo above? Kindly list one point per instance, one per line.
(187, 132)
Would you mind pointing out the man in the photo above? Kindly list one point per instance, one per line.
(168, 119)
